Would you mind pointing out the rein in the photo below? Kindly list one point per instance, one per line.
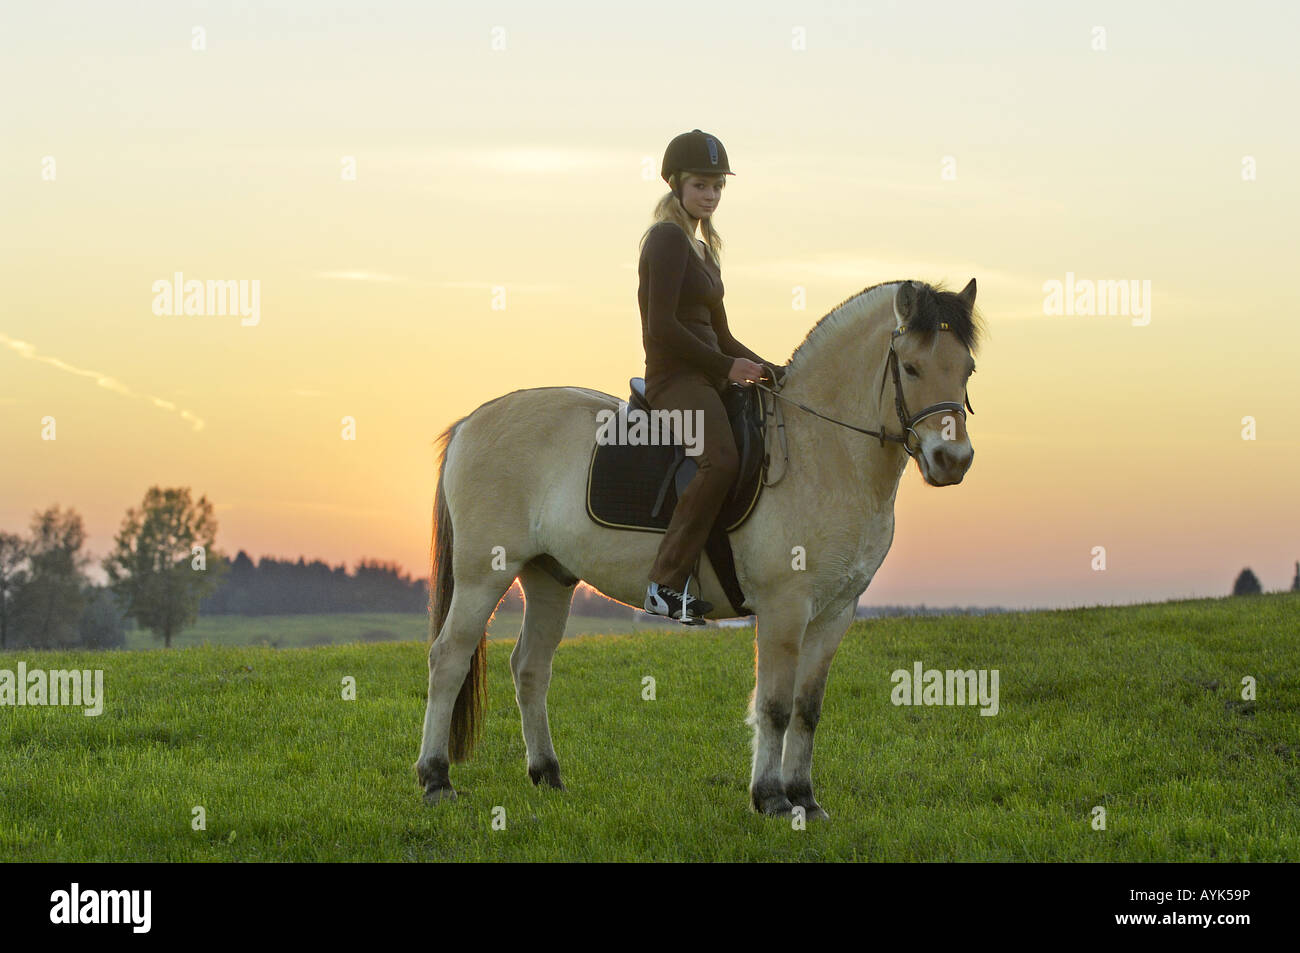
(907, 422)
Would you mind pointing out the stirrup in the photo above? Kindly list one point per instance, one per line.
(665, 595)
(685, 618)
(686, 600)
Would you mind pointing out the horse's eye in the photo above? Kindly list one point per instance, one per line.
(911, 370)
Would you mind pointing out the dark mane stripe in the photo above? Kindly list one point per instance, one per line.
(935, 306)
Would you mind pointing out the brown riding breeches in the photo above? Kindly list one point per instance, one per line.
(718, 463)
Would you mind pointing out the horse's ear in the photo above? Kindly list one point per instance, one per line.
(968, 295)
(905, 302)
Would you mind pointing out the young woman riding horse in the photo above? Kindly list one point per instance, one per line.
(513, 477)
(690, 356)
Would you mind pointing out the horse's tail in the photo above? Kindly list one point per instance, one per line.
(466, 716)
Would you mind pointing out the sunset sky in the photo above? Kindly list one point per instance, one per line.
(535, 167)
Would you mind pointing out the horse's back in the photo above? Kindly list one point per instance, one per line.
(537, 421)
(546, 401)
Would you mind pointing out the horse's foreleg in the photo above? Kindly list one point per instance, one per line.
(819, 644)
(546, 609)
(778, 638)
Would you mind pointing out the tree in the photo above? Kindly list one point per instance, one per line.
(47, 607)
(101, 625)
(157, 570)
(13, 554)
(1246, 585)
(1295, 583)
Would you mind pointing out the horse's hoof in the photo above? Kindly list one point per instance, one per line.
(433, 775)
(777, 806)
(801, 795)
(814, 812)
(774, 804)
(548, 773)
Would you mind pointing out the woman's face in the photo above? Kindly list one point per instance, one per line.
(702, 193)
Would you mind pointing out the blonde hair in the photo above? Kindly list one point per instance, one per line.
(668, 209)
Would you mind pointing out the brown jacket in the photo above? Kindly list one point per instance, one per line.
(683, 321)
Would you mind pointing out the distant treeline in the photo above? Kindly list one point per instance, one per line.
(47, 601)
(883, 612)
(586, 602)
(283, 587)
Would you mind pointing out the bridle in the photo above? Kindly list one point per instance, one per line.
(906, 421)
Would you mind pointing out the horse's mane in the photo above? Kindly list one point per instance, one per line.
(935, 306)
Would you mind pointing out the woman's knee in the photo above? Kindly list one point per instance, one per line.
(723, 459)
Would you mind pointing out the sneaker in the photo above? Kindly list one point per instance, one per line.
(664, 600)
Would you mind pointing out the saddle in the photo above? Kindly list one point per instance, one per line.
(636, 486)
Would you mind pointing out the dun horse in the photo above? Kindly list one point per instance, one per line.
(511, 504)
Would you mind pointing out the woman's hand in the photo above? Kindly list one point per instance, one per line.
(744, 370)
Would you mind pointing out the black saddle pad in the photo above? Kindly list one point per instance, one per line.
(624, 482)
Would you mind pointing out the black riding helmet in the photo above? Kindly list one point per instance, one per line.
(694, 151)
(697, 151)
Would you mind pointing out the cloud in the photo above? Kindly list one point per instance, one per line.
(375, 276)
(538, 159)
(28, 351)
(508, 285)
(357, 275)
(270, 504)
(865, 270)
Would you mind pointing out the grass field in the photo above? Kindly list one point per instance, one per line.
(304, 631)
(1136, 709)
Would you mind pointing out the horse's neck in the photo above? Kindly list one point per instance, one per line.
(841, 377)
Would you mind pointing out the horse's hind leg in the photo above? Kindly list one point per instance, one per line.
(450, 656)
(546, 609)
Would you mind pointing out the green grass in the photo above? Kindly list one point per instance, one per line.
(304, 631)
(1137, 709)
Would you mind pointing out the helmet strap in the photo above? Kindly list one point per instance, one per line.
(678, 192)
